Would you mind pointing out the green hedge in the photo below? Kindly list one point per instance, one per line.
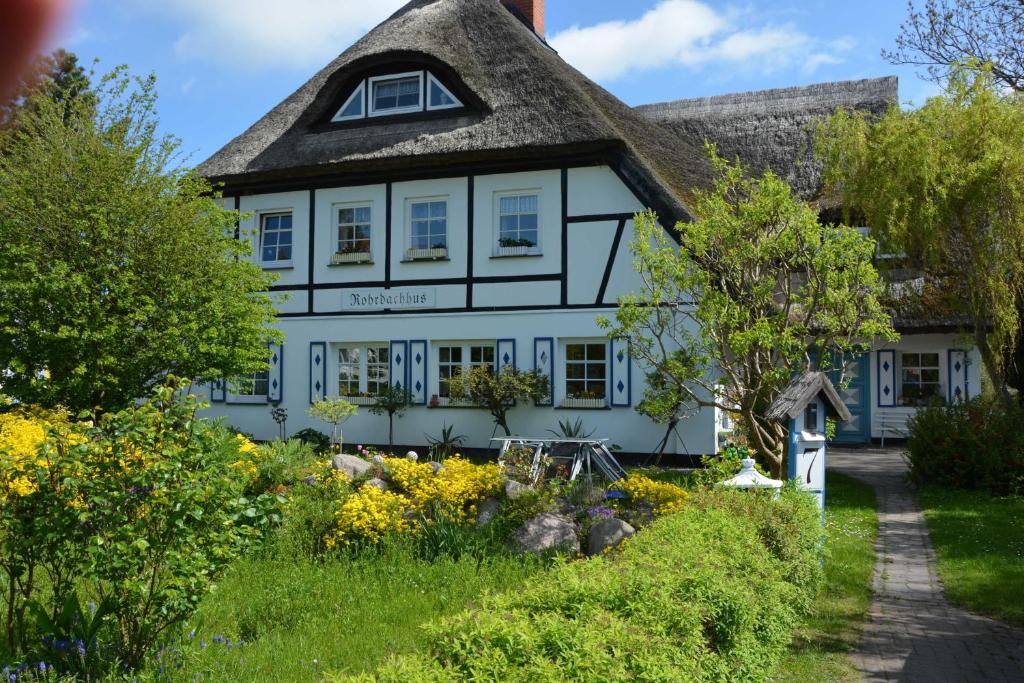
(712, 593)
(978, 444)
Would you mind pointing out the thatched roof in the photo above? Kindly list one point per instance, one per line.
(532, 104)
(803, 389)
(773, 128)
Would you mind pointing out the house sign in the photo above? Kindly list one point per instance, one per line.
(395, 299)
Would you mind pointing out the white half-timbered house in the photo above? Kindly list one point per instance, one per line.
(449, 192)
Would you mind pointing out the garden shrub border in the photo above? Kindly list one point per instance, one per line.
(710, 593)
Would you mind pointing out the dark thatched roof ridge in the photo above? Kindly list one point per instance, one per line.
(534, 105)
(773, 128)
(800, 391)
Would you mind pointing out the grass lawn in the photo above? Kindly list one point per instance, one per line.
(979, 544)
(821, 647)
(302, 619)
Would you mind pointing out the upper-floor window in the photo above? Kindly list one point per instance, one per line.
(400, 93)
(428, 229)
(354, 227)
(919, 379)
(518, 223)
(276, 239)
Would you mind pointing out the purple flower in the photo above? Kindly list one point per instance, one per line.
(600, 511)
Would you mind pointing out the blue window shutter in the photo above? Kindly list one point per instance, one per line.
(506, 354)
(621, 390)
(544, 361)
(317, 371)
(886, 361)
(418, 372)
(275, 375)
(399, 364)
(958, 390)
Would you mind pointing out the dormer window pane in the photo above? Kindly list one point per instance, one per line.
(354, 108)
(397, 93)
(439, 98)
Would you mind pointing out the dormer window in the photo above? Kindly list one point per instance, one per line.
(392, 94)
(396, 94)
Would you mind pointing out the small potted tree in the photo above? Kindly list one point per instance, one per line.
(497, 392)
(334, 411)
(391, 401)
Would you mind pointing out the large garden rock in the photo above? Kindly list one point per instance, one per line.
(487, 511)
(351, 465)
(545, 532)
(436, 466)
(608, 533)
(377, 483)
(513, 489)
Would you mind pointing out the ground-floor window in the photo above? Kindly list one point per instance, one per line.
(586, 371)
(919, 379)
(362, 370)
(251, 388)
(454, 358)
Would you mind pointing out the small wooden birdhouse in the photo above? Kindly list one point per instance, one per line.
(805, 404)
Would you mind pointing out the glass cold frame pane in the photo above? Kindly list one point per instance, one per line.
(354, 230)
(377, 374)
(930, 360)
(439, 98)
(355, 106)
(348, 372)
(481, 355)
(396, 94)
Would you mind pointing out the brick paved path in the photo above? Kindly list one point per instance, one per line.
(912, 633)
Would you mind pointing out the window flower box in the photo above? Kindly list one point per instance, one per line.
(448, 402)
(351, 257)
(424, 254)
(518, 251)
(585, 403)
(361, 400)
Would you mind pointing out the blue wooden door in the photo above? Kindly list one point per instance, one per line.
(857, 397)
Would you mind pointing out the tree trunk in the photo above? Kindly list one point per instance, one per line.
(991, 364)
(766, 449)
(659, 450)
(391, 433)
(503, 423)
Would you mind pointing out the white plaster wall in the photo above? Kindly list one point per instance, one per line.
(921, 343)
(597, 190)
(515, 293)
(327, 204)
(455, 190)
(589, 247)
(624, 426)
(298, 204)
(486, 188)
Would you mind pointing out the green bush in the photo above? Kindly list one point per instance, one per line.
(978, 444)
(712, 593)
(282, 463)
(320, 442)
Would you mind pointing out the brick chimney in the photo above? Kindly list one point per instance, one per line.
(530, 11)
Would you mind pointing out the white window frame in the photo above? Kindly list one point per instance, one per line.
(941, 395)
(373, 80)
(359, 92)
(261, 217)
(582, 403)
(465, 362)
(535, 250)
(235, 397)
(434, 80)
(364, 397)
(430, 253)
(352, 257)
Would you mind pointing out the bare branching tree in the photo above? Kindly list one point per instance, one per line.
(947, 32)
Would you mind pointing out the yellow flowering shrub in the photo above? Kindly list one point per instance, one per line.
(248, 464)
(368, 516)
(454, 492)
(22, 432)
(662, 497)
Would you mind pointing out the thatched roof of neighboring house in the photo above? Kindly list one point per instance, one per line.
(803, 389)
(531, 104)
(773, 128)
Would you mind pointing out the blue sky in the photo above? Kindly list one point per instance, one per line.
(221, 65)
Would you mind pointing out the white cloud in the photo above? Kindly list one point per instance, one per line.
(297, 34)
(187, 86)
(691, 34)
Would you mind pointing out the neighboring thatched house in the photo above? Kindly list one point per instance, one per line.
(449, 192)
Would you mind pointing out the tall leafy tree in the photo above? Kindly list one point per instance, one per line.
(944, 184)
(117, 265)
(57, 76)
(944, 33)
(756, 290)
